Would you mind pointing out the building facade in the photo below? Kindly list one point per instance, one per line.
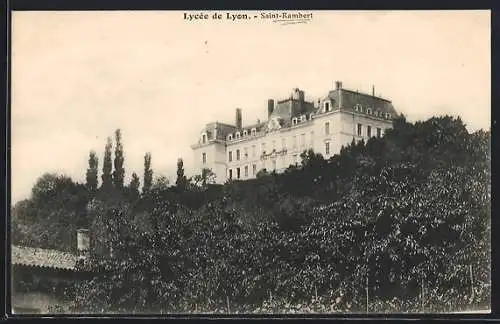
(294, 125)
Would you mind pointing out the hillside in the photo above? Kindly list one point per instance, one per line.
(397, 224)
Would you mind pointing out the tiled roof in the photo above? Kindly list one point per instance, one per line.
(36, 257)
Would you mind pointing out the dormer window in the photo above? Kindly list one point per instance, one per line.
(204, 138)
(376, 113)
(302, 118)
(369, 111)
(388, 115)
(245, 132)
(311, 116)
(327, 106)
(254, 131)
(230, 137)
(237, 135)
(357, 107)
(294, 121)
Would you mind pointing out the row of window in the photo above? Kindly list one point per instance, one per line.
(368, 131)
(369, 111)
(237, 135)
(238, 172)
(302, 118)
(263, 149)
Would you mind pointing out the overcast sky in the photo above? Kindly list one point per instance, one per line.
(77, 76)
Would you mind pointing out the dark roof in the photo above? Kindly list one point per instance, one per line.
(290, 108)
(37, 257)
(257, 126)
(352, 98)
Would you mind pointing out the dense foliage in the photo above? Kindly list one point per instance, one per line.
(397, 224)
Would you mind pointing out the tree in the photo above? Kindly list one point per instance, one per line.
(206, 177)
(50, 217)
(161, 183)
(119, 172)
(107, 166)
(134, 186)
(148, 174)
(181, 181)
(92, 172)
(262, 173)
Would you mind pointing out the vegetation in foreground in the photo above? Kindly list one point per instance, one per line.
(397, 224)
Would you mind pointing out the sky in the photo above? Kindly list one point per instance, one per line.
(78, 76)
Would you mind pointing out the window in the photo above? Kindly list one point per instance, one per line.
(237, 135)
(230, 156)
(359, 130)
(327, 106)
(376, 113)
(238, 173)
(327, 128)
(311, 116)
(230, 174)
(254, 169)
(246, 170)
(302, 118)
(254, 131)
(283, 142)
(204, 138)
(246, 153)
(230, 137)
(294, 121)
(369, 131)
(327, 148)
(388, 115)
(245, 133)
(357, 107)
(204, 158)
(253, 150)
(263, 147)
(237, 155)
(379, 132)
(302, 140)
(369, 111)
(274, 164)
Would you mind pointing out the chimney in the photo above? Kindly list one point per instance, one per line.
(338, 86)
(82, 242)
(270, 107)
(238, 118)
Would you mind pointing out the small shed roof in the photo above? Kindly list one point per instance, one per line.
(37, 257)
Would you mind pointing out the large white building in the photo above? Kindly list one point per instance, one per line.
(293, 126)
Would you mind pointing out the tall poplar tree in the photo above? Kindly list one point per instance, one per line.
(181, 181)
(92, 172)
(119, 172)
(148, 174)
(134, 185)
(107, 166)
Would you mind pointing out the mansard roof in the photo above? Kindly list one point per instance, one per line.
(352, 98)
